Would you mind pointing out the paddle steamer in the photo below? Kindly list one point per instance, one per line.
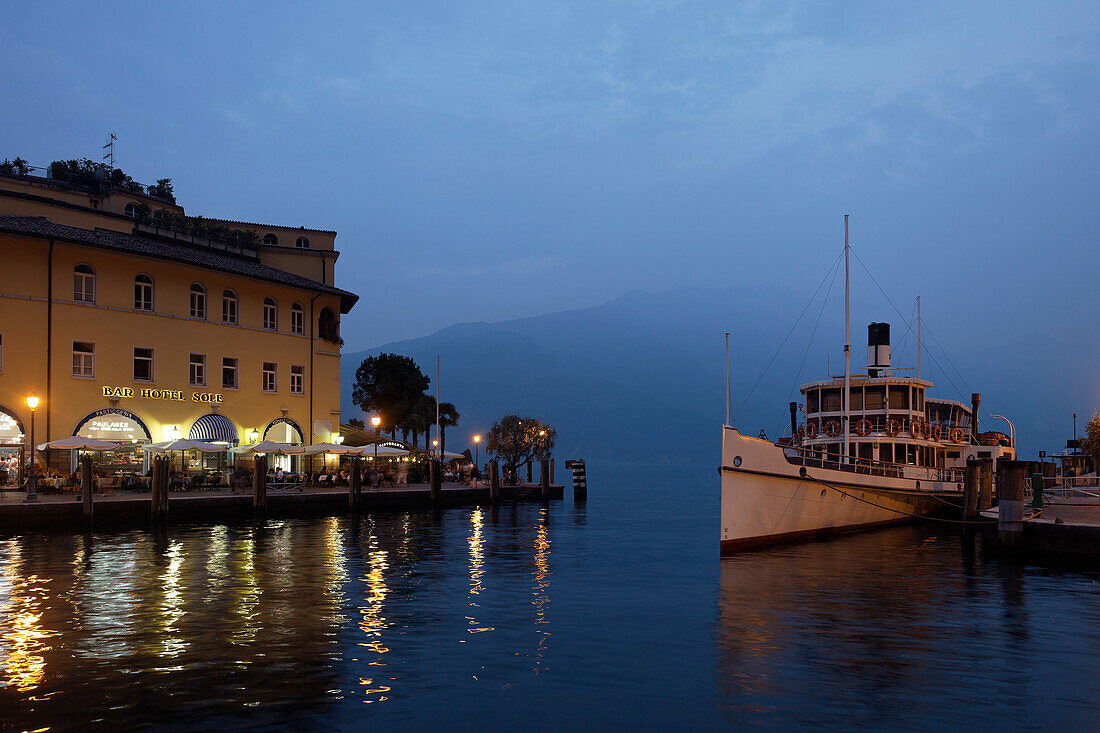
(870, 449)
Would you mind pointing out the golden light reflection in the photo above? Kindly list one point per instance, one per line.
(174, 645)
(477, 568)
(22, 638)
(246, 604)
(372, 620)
(542, 590)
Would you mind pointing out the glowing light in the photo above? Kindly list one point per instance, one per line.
(254, 436)
(376, 421)
(477, 438)
(32, 401)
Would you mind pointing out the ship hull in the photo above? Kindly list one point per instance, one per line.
(767, 499)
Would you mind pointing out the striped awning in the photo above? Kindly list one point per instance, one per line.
(213, 427)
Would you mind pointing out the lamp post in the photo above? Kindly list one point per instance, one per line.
(1011, 428)
(32, 479)
(477, 442)
(376, 421)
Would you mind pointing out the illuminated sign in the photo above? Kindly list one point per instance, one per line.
(149, 393)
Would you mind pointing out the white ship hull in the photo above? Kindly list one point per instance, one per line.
(767, 499)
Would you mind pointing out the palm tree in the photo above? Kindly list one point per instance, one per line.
(448, 418)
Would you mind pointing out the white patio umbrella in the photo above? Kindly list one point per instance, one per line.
(184, 444)
(383, 451)
(334, 448)
(78, 443)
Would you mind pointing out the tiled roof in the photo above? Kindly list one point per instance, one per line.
(269, 226)
(177, 252)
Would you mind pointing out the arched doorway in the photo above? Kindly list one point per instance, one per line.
(284, 430)
(12, 445)
(123, 426)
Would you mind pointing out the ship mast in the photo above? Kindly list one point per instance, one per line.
(847, 344)
(918, 338)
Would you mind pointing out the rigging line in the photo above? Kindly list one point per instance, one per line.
(909, 330)
(788, 337)
(891, 302)
(809, 343)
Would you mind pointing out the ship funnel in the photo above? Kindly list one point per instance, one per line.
(878, 349)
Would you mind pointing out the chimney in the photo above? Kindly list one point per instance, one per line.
(878, 349)
(975, 401)
(794, 418)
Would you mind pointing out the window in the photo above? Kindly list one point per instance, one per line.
(83, 284)
(131, 210)
(811, 400)
(143, 293)
(197, 371)
(327, 327)
(302, 242)
(271, 315)
(83, 359)
(229, 307)
(143, 364)
(297, 380)
(229, 372)
(270, 238)
(855, 401)
(270, 384)
(830, 400)
(198, 301)
(899, 398)
(297, 319)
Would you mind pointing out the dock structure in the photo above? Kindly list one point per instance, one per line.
(136, 508)
(1067, 523)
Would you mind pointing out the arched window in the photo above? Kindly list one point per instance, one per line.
(270, 238)
(229, 306)
(297, 319)
(131, 210)
(302, 243)
(83, 284)
(271, 315)
(143, 293)
(327, 327)
(198, 301)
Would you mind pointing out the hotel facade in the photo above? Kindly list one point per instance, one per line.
(136, 329)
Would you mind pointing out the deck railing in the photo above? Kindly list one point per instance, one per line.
(823, 459)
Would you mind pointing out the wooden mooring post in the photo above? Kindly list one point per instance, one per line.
(86, 483)
(580, 479)
(494, 481)
(259, 482)
(1010, 496)
(355, 484)
(436, 477)
(985, 495)
(158, 504)
(971, 489)
(544, 478)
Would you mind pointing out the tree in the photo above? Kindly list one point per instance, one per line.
(162, 189)
(517, 439)
(1090, 444)
(357, 423)
(17, 167)
(388, 384)
(425, 418)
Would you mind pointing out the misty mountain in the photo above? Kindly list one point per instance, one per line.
(640, 379)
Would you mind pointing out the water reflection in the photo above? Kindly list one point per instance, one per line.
(541, 590)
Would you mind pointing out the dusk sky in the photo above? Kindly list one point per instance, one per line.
(493, 160)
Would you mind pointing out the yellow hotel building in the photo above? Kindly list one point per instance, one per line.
(132, 332)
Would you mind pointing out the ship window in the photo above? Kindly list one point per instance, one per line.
(899, 398)
(855, 402)
(886, 453)
(874, 399)
(830, 400)
(811, 400)
(918, 393)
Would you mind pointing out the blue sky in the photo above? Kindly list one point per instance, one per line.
(483, 161)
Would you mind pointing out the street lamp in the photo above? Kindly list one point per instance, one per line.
(1011, 428)
(254, 436)
(376, 421)
(32, 480)
(477, 441)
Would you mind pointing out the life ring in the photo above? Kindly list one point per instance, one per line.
(892, 427)
(811, 429)
(937, 433)
(863, 427)
(915, 428)
(832, 428)
(957, 434)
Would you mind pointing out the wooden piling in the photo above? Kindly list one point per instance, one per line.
(985, 495)
(1010, 497)
(436, 475)
(971, 489)
(355, 484)
(259, 482)
(494, 481)
(86, 483)
(544, 478)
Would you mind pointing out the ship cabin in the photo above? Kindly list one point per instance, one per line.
(892, 420)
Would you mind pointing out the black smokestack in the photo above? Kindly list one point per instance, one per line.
(975, 401)
(878, 348)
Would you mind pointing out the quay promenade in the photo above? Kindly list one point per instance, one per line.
(126, 507)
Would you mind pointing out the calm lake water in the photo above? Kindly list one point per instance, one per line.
(615, 614)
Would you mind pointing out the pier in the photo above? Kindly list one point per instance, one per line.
(135, 508)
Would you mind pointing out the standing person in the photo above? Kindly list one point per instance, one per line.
(402, 474)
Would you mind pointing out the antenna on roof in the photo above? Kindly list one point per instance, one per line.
(110, 148)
